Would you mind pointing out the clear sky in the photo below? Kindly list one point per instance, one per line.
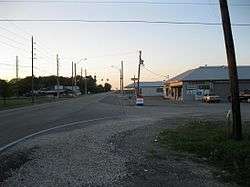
(166, 49)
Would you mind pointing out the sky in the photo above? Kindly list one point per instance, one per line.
(166, 49)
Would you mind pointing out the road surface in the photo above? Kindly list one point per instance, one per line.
(18, 123)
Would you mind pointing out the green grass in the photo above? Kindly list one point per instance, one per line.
(209, 140)
(20, 102)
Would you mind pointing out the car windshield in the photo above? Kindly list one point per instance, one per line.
(124, 93)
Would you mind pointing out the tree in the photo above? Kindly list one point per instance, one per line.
(107, 87)
(99, 89)
(5, 90)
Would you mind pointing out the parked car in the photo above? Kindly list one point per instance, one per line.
(211, 98)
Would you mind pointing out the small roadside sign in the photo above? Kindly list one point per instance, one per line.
(139, 101)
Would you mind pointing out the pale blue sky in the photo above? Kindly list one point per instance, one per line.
(167, 49)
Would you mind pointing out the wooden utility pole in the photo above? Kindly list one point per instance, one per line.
(139, 72)
(232, 67)
(122, 79)
(75, 74)
(17, 68)
(72, 79)
(85, 83)
(57, 75)
(81, 80)
(32, 71)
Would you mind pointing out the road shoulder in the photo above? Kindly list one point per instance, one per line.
(111, 152)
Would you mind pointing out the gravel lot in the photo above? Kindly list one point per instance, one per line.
(118, 152)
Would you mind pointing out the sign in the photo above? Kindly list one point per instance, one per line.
(191, 87)
(139, 101)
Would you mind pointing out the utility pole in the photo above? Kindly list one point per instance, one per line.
(122, 86)
(57, 73)
(139, 72)
(81, 80)
(120, 80)
(75, 74)
(134, 79)
(72, 79)
(16, 67)
(32, 71)
(85, 83)
(232, 67)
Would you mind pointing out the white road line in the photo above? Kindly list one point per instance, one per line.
(50, 129)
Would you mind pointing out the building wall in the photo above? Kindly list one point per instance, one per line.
(187, 91)
(220, 88)
(151, 91)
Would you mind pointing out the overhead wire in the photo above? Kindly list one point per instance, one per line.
(10, 39)
(18, 35)
(124, 2)
(152, 72)
(10, 45)
(128, 21)
(38, 44)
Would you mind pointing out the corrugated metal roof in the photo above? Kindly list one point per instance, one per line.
(147, 84)
(211, 73)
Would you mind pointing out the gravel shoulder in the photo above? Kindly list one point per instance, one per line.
(109, 153)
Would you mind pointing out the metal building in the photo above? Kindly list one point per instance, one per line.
(149, 88)
(193, 84)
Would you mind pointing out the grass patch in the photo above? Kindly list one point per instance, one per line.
(208, 140)
(13, 103)
(21, 102)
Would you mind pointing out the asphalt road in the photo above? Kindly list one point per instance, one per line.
(18, 123)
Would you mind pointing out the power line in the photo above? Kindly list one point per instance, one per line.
(10, 39)
(125, 2)
(10, 45)
(26, 33)
(19, 28)
(157, 74)
(44, 54)
(44, 49)
(127, 21)
(5, 64)
(3, 28)
(114, 54)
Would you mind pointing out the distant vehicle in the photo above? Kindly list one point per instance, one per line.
(211, 98)
(200, 94)
(244, 96)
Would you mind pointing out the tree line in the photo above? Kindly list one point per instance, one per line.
(20, 87)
